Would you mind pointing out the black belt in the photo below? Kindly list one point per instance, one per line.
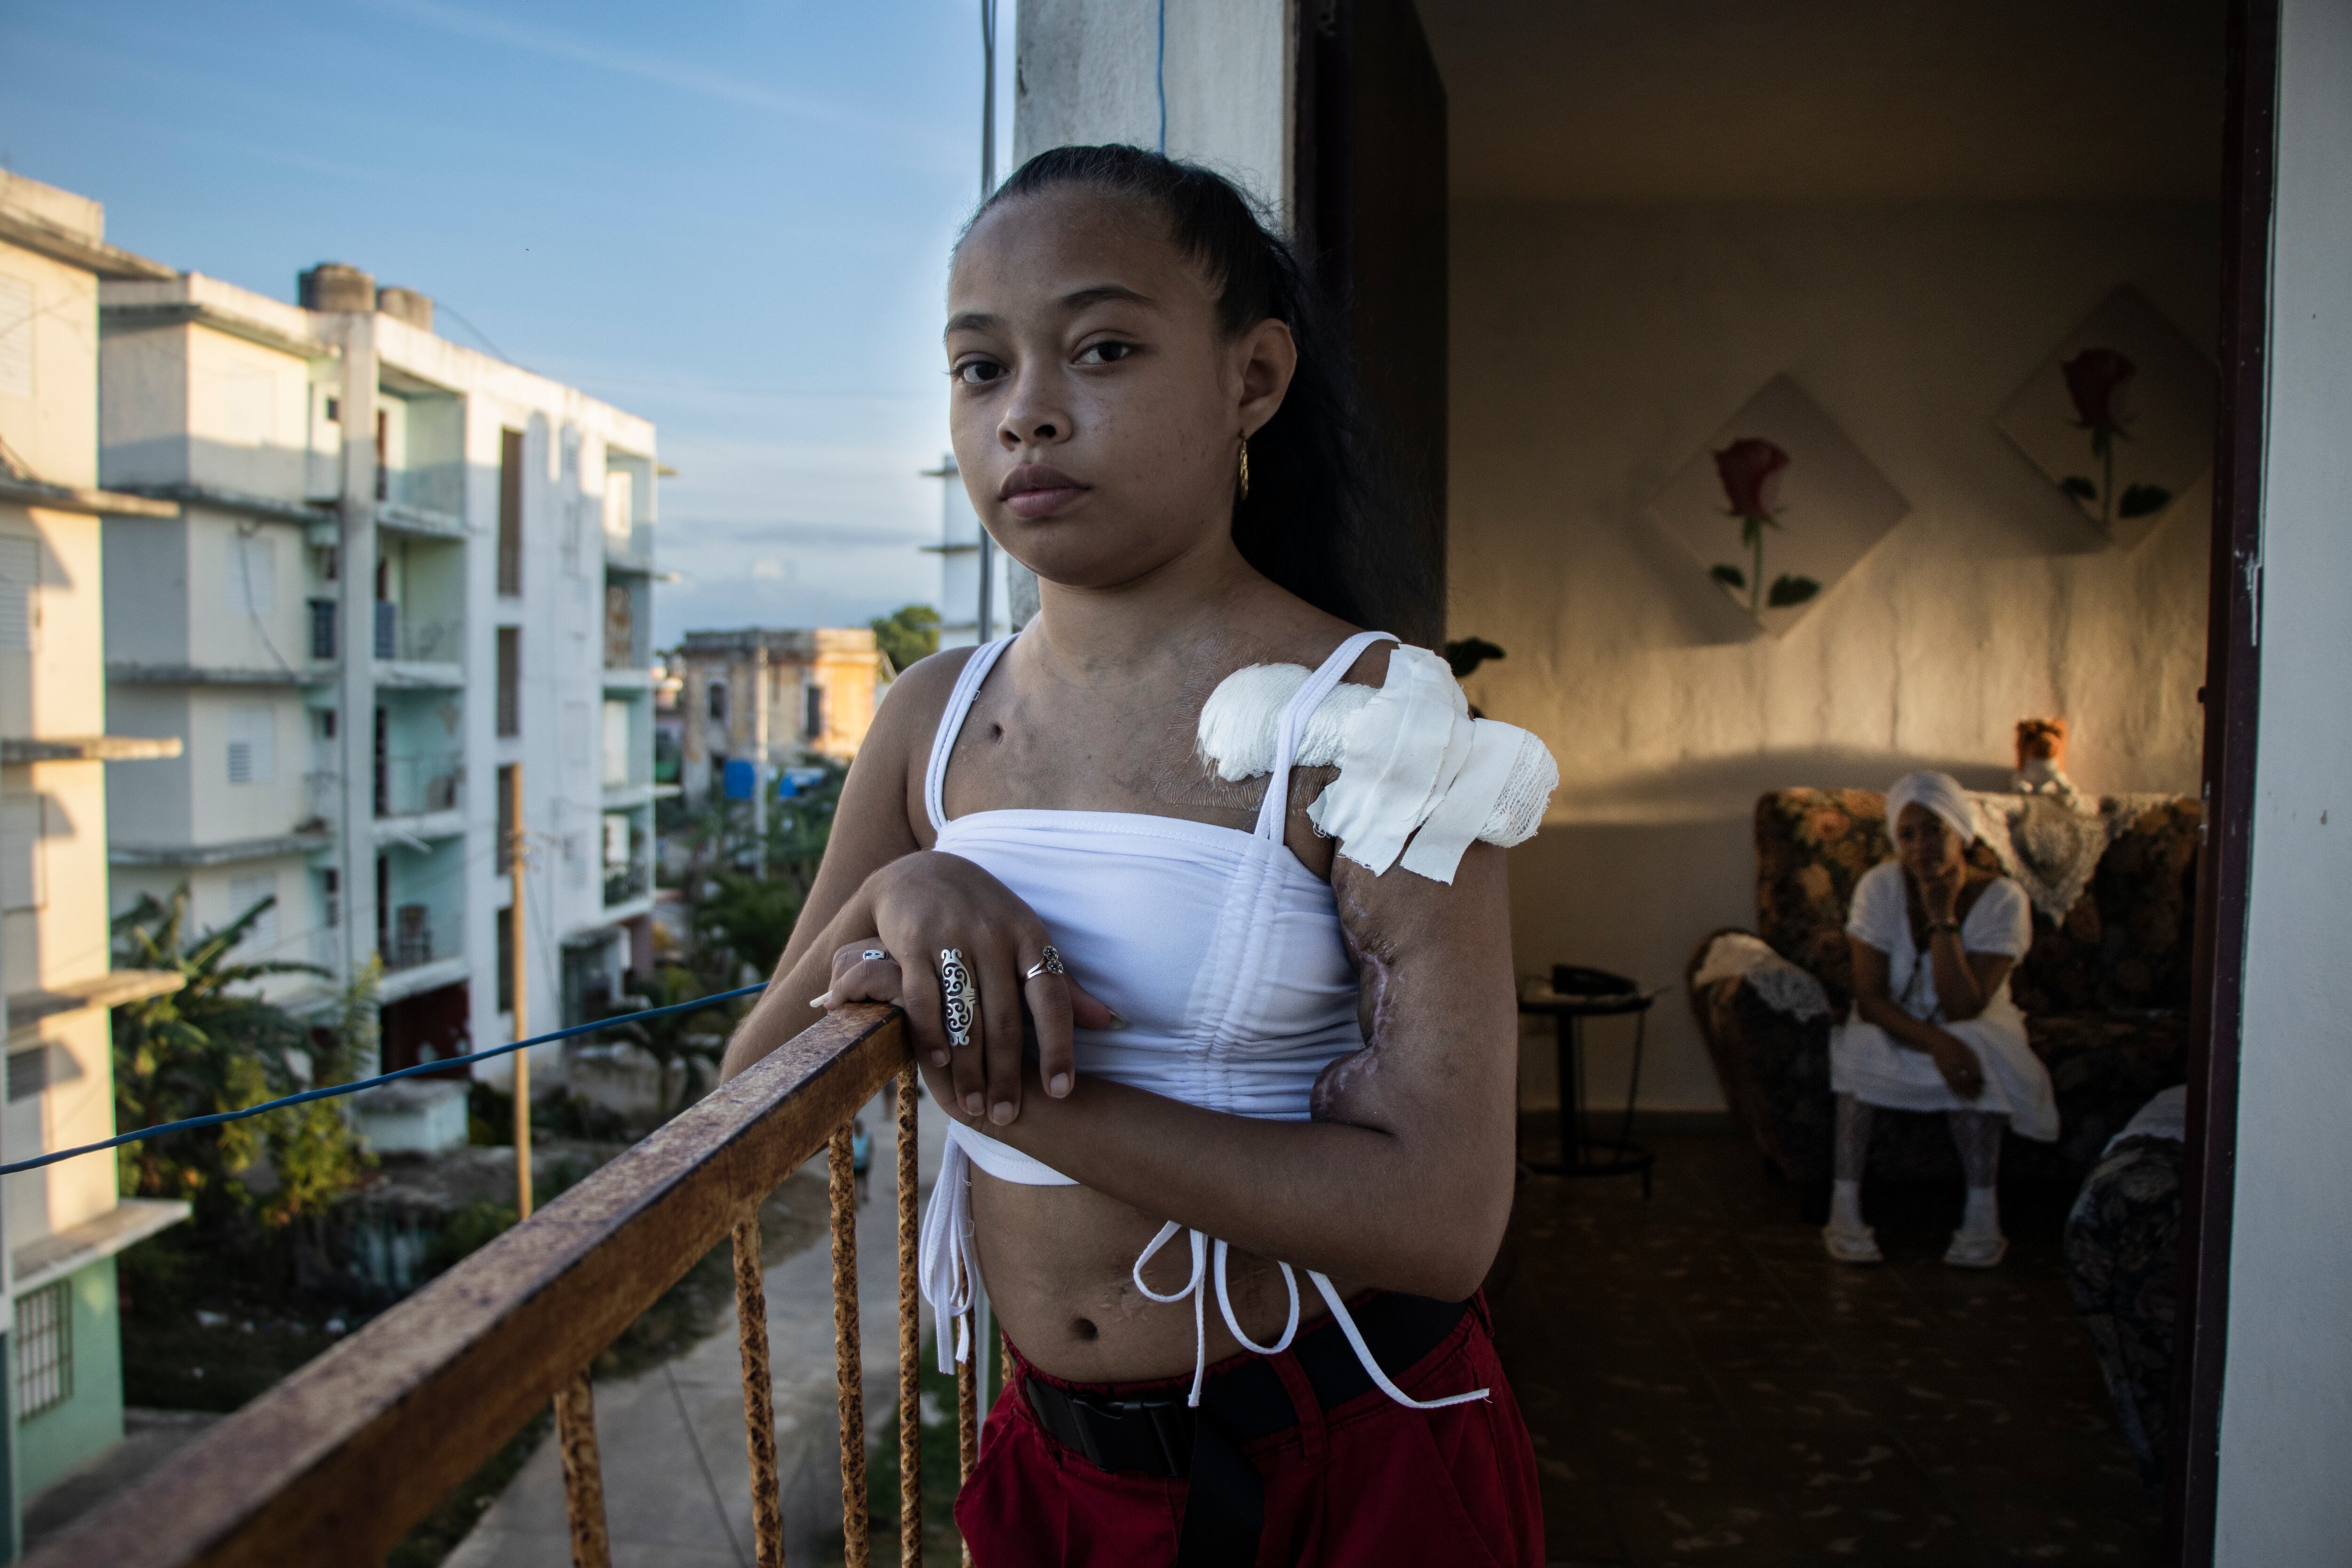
(1226, 1497)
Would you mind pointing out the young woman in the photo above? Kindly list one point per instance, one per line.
(1933, 1027)
(1234, 869)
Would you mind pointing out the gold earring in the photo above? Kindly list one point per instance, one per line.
(1245, 468)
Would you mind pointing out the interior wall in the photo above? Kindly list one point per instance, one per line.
(2287, 1404)
(1596, 347)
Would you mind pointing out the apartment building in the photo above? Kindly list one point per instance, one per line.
(62, 1225)
(774, 698)
(399, 577)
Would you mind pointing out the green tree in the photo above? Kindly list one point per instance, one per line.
(908, 632)
(739, 915)
(208, 1048)
(692, 1041)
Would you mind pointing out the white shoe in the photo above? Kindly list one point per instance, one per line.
(1859, 1244)
(1976, 1251)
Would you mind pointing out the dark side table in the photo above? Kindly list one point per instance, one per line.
(1580, 1153)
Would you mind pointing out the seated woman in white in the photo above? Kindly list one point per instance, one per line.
(1933, 1027)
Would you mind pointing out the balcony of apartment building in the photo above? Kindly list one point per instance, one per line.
(420, 766)
(417, 617)
(420, 914)
(420, 460)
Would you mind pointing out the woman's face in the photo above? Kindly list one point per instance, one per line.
(1097, 408)
(1925, 842)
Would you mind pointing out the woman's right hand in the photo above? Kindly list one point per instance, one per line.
(1961, 1070)
(928, 901)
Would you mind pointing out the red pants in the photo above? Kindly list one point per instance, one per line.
(1369, 1484)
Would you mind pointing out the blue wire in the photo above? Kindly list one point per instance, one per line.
(1159, 77)
(331, 1090)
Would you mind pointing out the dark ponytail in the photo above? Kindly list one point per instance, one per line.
(1318, 519)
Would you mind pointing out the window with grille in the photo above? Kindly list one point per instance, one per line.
(44, 1348)
(322, 628)
(510, 512)
(252, 744)
(20, 574)
(510, 681)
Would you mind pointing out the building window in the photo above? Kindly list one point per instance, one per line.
(812, 711)
(28, 1073)
(510, 512)
(252, 744)
(20, 574)
(506, 960)
(332, 886)
(322, 628)
(510, 681)
(22, 826)
(716, 698)
(44, 1348)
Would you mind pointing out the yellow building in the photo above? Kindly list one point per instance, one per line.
(63, 1223)
(816, 692)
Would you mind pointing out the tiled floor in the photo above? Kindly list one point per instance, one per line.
(1705, 1386)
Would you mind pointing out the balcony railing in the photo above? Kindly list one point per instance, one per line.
(423, 639)
(623, 883)
(415, 937)
(413, 785)
(337, 1462)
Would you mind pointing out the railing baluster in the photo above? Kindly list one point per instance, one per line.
(968, 1409)
(910, 1331)
(759, 1393)
(584, 1477)
(846, 1362)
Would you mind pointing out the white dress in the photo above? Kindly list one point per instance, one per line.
(1867, 1063)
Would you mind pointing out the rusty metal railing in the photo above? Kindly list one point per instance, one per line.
(340, 1460)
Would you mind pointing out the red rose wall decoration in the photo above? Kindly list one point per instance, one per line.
(1804, 497)
(2120, 417)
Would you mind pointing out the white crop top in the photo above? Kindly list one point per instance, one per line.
(1219, 949)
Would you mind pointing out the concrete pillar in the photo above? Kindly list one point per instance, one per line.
(355, 722)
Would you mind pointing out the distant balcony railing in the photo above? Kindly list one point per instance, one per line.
(423, 639)
(623, 883)
(413, 786)
(416, 937)
(336, 1463)
(432, 487)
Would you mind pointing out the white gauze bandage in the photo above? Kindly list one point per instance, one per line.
(1414, 765)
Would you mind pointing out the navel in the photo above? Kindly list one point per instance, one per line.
(1083, 1329)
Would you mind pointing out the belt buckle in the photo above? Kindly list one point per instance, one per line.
(1169, 1422)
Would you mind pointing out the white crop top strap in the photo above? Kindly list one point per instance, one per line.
(968, 681)
(1273, 808)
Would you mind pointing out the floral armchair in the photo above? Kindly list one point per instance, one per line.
(2105, 991)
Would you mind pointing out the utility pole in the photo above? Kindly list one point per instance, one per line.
(515, 858)
(759, 679)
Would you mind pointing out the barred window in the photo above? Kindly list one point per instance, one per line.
(44, 1348)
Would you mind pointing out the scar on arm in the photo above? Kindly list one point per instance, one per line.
(1336, 1083)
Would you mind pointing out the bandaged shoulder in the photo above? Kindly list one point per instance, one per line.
(1418, 778)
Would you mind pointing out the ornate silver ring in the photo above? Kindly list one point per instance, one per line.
(873, 956)
(1049, 962)
(962, 996)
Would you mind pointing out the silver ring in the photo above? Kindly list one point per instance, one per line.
(1049, 962)
(962, 997)
(873, 956)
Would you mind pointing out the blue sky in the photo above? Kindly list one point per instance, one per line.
(730, 218)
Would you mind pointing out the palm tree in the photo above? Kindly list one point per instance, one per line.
(212, 1047)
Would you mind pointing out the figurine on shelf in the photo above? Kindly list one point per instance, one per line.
(2042, 759)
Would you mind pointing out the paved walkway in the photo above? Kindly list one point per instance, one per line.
(677, 1484)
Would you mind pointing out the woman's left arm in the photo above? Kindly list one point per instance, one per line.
(1404, 1179)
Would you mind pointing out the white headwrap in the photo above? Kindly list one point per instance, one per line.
(1939, 793)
